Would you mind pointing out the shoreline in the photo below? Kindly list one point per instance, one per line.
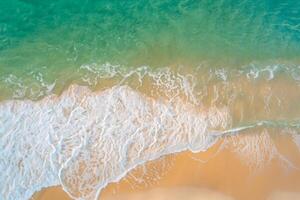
(212, 112)
(223, 172)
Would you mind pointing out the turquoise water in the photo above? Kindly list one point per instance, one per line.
(52, 38)
(116, 30)
(162, 76)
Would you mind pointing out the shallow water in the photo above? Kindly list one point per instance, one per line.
(90, 90)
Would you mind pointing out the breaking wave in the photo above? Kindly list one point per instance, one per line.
(84, 139)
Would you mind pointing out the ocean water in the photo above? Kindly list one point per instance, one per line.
(91, 89)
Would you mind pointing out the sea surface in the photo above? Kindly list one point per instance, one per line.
(91, 89)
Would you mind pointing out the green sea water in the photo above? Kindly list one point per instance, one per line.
(163, 76)
(48, 40)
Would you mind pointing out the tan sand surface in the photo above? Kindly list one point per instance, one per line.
(176, 193)
(214, 174)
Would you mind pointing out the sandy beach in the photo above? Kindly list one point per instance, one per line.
(151, 100)
(218, 174)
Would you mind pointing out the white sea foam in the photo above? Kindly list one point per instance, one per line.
(36, 84)
(256, 150)
(269, 72)
(20, 88)
(84, 140)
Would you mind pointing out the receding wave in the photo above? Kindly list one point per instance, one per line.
(84, 139)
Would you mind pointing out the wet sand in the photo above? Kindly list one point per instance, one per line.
(218, 173)
(221, 172)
